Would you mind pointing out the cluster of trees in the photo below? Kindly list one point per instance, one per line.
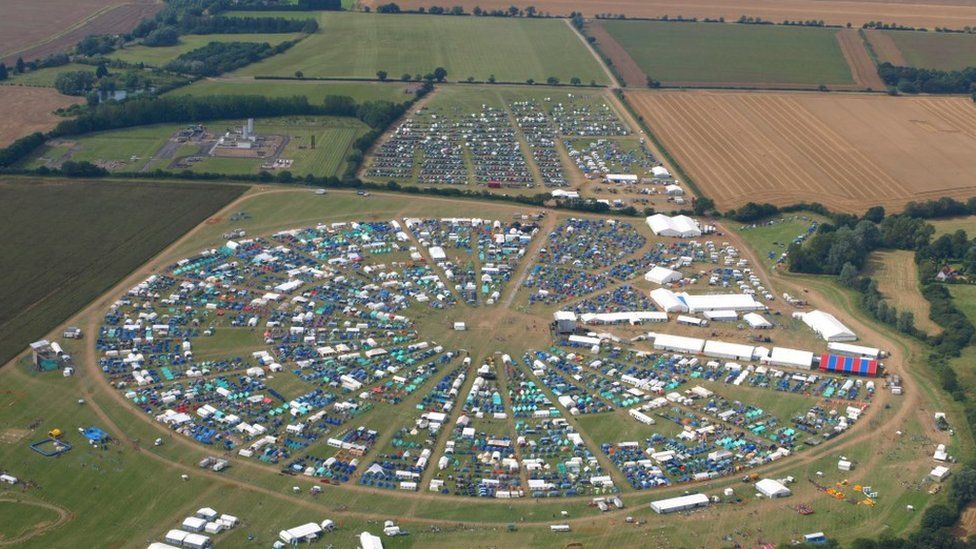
(915, 80)
(478, 11)
(97, 44)
(220, 57)
(832, 247)
(886, 26)
(75, 82)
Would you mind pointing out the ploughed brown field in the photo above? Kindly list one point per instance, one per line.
(919, 13)
(846, 151)
(35, 28)
(26, 110)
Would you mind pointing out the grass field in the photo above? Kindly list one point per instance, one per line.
(847, 151)
(953, 224)
(897, 277)
(132, 149)
(157, 57)
(733, 54)
(45, 78)
(772, 237)
(65, 243)
(314, 90)
(358, 45)
(934, 50)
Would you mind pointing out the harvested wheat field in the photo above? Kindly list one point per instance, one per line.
(897, 277)
(65, 22)
(27, 110)
(846, 151)
(918, 13)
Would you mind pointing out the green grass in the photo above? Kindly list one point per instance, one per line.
(44, 78)
(770, 238)
(67, 242)
(129, 149)
(18, 518)
(727, 53)
(157, 57)
(936, 50)
(315, 91)
(953, 224)
(358, 45)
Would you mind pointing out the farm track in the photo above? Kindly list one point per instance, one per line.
(856, 54)
(919, 13)
(612, 78)
(623, 63)
(885, 48)
(64, 516)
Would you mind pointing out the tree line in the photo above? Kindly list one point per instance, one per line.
(913, 80)
(220, 57)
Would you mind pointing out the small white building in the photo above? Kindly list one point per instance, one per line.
(369, 541)
(299, 534)
(660, 172)
(756, 320)
(772, 488)
(939, 473)
(565, 322)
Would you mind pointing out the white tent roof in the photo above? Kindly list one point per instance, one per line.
(627, 316)
(677, 343)
(679, 503)
(828, 326)
(662, 275)
(756, 320)
(772, 488)
(721, 349)
(855, 350)
(437, 253)
(678, 226)
(369, 541)
(668, 301)
(791, 357)
(724, 302)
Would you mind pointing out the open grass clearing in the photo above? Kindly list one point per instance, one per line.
(737, 55)
(357, 45)
(897, 277)
(771, 238)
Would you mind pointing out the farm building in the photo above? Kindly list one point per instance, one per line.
(662, 275)
(826, 325)
(668, 301)
(681, 503)
(679, 226)
(720, 302)
(854, 350)
(678, 344)
(772, 488)
(731, 351)
(756, 320)
(794, 358)
(848, 365)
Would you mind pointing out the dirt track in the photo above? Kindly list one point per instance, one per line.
(885, 48)
(626, 67)
(922, 13)
(856, 55)
(785, 148)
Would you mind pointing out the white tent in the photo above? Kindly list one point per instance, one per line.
(674, 190)
(720, 302)
(854, 350)
(679, 503)
(680, 344)
(660, 172)
(756, 320)
(827, 326)
(731, 351)
(795, 358)
(680, 226)
(369, 541)
(668, 301)
(437, 253)
(772, 488)
(721, 315)
(662, 275)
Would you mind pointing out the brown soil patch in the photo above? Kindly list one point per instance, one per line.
(785, 148)
(31, 30)
(919, 13)
(27, 110)
(863, 70)
(623, 63)
(13, 436)
(885, 48)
